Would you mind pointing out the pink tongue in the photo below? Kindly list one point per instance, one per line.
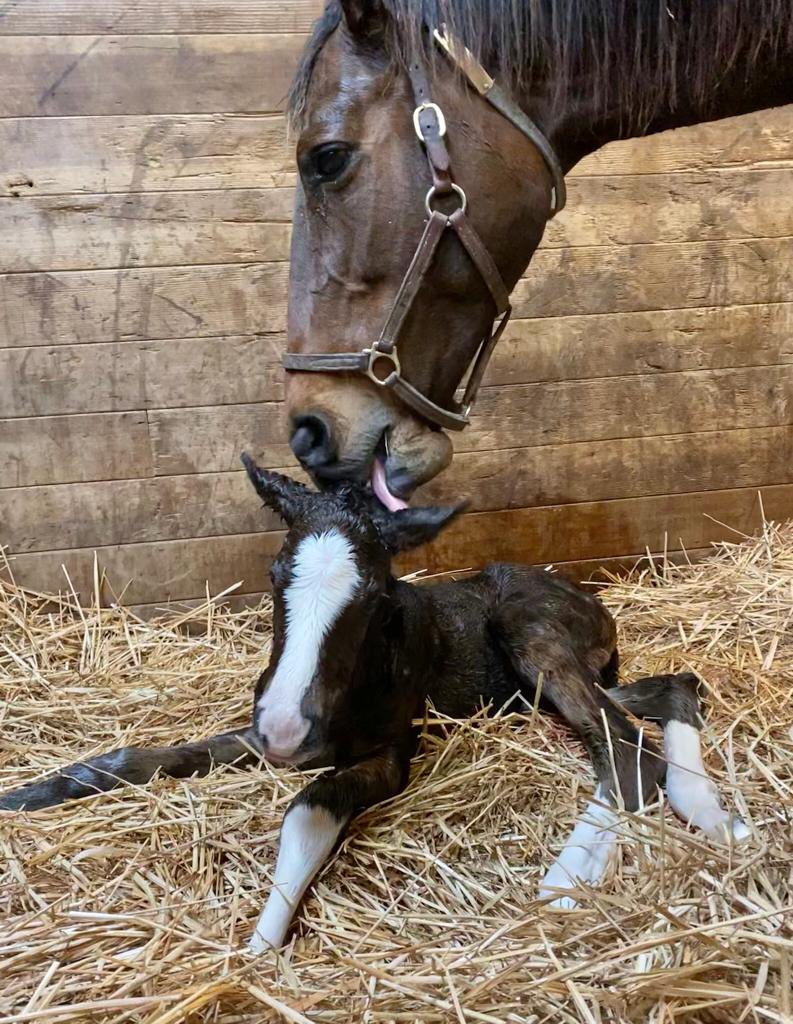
(380, 488)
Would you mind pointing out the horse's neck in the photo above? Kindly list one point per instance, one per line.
(739, 89)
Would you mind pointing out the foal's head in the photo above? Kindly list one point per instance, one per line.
(327, 582)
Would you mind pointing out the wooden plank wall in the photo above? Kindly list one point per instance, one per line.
(642, 396)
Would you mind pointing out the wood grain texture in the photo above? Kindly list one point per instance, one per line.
(655, 341)
(593, 529)
(80, 17)
(68, 308)
(151, 572)
(145, 229)
(63, 379)
(60, 379)
(171, 302)
(83, 515)
(146, 74)
(65, 448)
(143, 153)
(209, 438)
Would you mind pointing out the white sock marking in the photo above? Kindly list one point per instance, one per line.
(324, 578)
(307, 837)
(586, 853)
(691, 793)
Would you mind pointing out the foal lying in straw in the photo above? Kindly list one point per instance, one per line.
(355, 655)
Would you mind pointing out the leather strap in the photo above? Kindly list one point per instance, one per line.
(509, 109)
(412, 281)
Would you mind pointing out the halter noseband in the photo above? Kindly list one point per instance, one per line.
(380, 363)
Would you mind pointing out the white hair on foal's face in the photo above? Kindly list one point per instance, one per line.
(324, 577)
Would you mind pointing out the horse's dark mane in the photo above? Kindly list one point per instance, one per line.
(632, 54)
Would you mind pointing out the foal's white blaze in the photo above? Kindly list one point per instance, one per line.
(307, 837)
(324, 578)
(691, 793)
(586, 853)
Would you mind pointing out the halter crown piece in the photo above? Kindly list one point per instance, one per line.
(380, 363)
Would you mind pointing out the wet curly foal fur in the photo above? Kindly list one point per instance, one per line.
(356, 653)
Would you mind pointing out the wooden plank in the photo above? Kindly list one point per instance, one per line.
(145, 229)
(614, 279)
(166, 152)
(215, 437)
(171, 152)
(175, 302)
(602, 529)
(635, 406)
(142, 303)
(69, 448)
(762, 138)
(163, 570)
(209, 439)
(156, 572)
(656, 341)
(83, 17)
(644, 208)
(64, 379)
(146, 74)
(211, 504)
(628, 467)
(252, 225)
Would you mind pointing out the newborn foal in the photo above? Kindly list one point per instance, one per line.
(357, 652)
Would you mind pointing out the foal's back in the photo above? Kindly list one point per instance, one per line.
(506, 624)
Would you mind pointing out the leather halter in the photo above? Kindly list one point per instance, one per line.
(380, 363)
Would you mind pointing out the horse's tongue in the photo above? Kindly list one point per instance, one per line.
(380, 488)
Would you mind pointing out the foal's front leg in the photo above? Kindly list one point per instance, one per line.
(136, 765)
(312, 825)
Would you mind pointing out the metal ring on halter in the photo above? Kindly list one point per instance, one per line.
(438, 114)
(457, 191)
(375, 355)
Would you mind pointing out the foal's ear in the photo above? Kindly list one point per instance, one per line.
(411, 527)
(283, 495)
(366, 19)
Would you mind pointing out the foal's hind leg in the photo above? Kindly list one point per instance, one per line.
(132, 764)
(627, 773)
(673, 701)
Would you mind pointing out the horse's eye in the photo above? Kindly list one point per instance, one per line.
(327, 163)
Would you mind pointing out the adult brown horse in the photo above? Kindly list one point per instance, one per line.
(385, 113)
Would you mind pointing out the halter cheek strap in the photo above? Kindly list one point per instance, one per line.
(380, 363)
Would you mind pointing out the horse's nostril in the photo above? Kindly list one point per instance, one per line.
(311, 441)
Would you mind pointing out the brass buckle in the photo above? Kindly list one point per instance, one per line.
(375, 355)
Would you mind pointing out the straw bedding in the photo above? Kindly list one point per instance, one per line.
(136, 906)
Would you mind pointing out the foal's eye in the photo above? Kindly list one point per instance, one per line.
(325, 164)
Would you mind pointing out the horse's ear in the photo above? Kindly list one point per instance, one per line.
(411, 527)
(283, 495)
(365, 19)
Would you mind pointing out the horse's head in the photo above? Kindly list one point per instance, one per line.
(359, 214)
(328, 583)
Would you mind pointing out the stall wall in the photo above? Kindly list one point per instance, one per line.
(640, 399)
